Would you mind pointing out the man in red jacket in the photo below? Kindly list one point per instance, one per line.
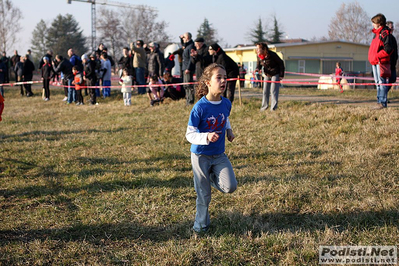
(379, 53)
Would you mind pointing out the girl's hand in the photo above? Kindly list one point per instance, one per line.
(230, 135)
(213, 136)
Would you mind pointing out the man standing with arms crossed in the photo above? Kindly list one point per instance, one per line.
(188, 67)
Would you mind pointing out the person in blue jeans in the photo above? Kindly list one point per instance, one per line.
(380, 52)
(106, 75)
(208, 126)
(139, 64)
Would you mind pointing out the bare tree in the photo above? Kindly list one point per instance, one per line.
(9, 24)
(351, 23)
(141, 24)
(110, 29)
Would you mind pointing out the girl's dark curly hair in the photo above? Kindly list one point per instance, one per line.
(202, 88)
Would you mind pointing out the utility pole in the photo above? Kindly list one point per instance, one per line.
(93, 14)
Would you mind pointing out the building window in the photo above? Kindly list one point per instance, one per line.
(251, 66)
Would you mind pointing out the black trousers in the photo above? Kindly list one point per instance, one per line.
(46, 86)
(229, 92)
(79, 96)
(92, 91)
(28, 87)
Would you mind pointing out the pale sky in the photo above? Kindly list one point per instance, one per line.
(232, 19)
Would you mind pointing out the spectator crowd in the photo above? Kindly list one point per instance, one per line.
(143, 69)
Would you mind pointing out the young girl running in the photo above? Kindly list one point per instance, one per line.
(207, 129)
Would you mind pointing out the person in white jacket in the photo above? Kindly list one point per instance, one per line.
(126, 82)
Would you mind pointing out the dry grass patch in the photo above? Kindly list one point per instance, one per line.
(108, 184)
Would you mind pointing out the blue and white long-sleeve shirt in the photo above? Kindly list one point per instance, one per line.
(206, 117)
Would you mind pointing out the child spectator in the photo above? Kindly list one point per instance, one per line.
(78, 82)
(126, 82)
(155, 93)
(172, 89)
(47, 74)
(207, 128)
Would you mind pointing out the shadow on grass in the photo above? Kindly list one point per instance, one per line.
(54, 181)
(236, 223)
(55, 188)
(53, 134)
(226, 223)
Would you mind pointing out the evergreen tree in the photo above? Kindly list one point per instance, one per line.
(63, 34)
(207, 32)
(39, 41)
(258, 33)
(276, 34)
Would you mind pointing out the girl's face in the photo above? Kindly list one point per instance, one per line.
(376, 26)
(217, 83)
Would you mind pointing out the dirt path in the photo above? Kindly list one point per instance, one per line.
(325, 99)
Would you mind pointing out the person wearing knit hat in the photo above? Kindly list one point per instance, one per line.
(84, 57)
(215, 47)
(199, 39)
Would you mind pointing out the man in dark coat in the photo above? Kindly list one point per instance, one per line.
(65, 66)
(125, 62)
(394, 55)
(6, 61)
(221, 58)
(188, 67)
(16, 58)
(200, 57)
(89, 66)
(28, 69)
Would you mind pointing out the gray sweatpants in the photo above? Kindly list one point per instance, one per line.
(270, 88)
(216, 171)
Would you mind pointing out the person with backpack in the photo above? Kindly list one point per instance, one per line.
(379, 56)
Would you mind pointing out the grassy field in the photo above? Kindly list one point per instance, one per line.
(112, 185)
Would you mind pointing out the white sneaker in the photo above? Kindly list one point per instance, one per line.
(65, 99)
(46, 99)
